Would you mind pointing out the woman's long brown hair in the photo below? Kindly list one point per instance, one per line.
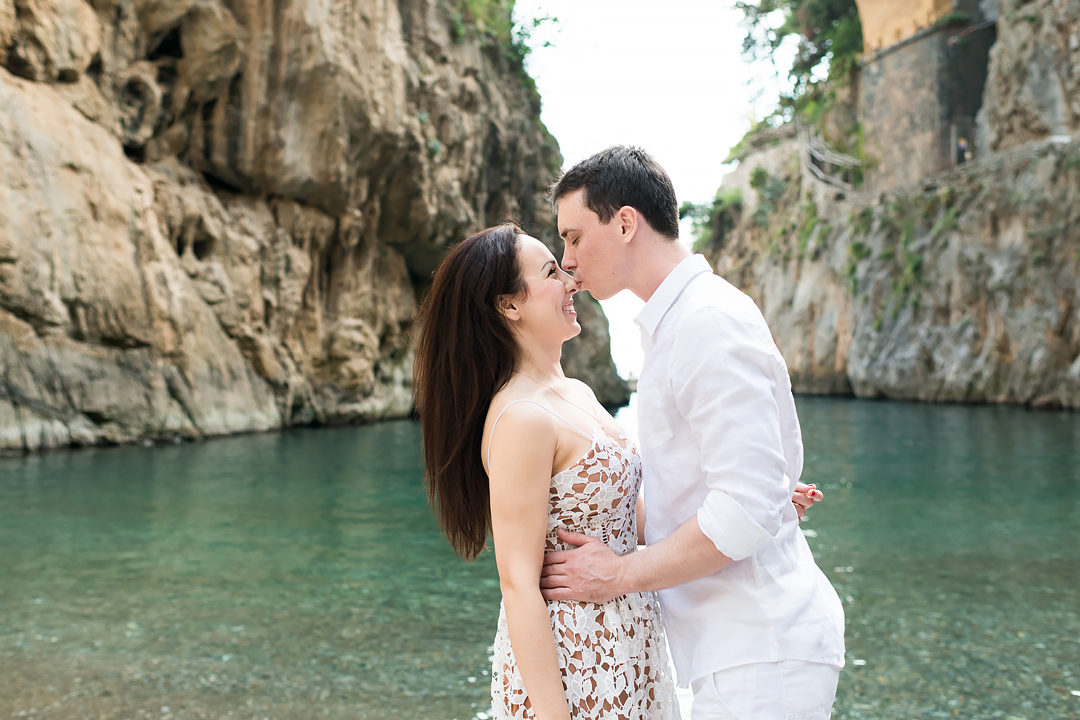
(465, 354)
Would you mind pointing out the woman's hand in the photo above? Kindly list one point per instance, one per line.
(804, 498)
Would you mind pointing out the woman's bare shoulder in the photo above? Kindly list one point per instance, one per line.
(511, 394)
(518, 410)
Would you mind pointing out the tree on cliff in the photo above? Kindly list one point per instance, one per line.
(829, 41)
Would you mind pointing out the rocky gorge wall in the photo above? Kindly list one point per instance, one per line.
(966, 289)
(1034, 86)
(962, 287)
(218, 216)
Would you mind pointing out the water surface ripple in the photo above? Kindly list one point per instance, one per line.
(300, 575)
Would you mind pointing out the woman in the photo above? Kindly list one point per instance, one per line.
(515, 448)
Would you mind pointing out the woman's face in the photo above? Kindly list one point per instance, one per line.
(547, 311)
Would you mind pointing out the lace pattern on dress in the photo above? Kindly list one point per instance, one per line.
(612, 655)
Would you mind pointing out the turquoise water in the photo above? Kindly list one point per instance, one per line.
(300, 575)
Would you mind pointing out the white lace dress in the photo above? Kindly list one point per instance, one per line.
(612, 655)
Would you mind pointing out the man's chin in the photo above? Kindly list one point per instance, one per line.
(589, 292)
(599, 295)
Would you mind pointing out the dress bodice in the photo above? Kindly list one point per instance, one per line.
(597, 495)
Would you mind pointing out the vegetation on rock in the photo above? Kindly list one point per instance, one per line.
(829, 37)
(492, 22)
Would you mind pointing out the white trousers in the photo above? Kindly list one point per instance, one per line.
(785, 690)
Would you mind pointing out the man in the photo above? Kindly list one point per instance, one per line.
(754, 626)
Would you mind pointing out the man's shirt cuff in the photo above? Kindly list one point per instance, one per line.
(730, 528)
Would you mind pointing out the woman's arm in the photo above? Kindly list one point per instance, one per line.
(523, 446)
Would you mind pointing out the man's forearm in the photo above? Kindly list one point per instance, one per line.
(685, 555)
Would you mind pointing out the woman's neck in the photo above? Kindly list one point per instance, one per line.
(540, 369)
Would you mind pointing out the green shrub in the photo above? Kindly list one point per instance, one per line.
(758, 177)
(861, 220)
(491, 22)
(829, 34)
(946, 223)
(859, 250)
(713, 222)
(807, 224)
(952, 19)
(852, 273)
(769, 188)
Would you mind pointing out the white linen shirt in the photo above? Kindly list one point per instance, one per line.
(721, 440)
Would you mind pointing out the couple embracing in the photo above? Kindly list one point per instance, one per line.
(516, 449)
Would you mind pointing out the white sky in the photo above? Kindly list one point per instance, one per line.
(666, 75)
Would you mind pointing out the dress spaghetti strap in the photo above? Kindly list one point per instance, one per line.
(574, 427)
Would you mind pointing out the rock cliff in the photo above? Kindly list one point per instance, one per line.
(218, 216)
(964, 287)
(1034, 86)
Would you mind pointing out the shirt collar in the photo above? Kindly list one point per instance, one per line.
(669, 291)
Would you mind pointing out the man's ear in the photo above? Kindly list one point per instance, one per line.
(627, 219)
(508, 306)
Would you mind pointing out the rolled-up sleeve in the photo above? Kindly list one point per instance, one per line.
(725, 372)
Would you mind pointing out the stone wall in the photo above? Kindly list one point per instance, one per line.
(918, 98)
(900, 107)
(219, 216)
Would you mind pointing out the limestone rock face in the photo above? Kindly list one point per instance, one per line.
(966, 289)
(1034, 88)
(219, 217)
(50, 40)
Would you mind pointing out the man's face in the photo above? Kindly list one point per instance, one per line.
(593, 251)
